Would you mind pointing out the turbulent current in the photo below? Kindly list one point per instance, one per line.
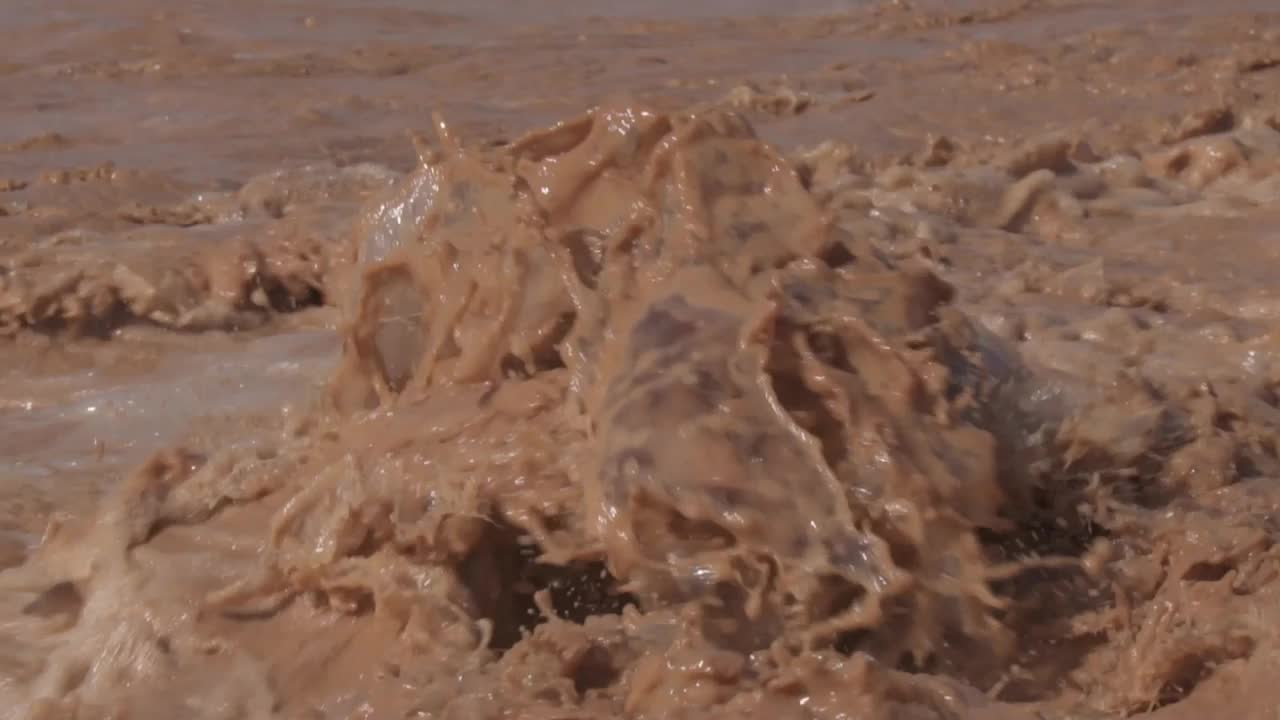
(644, 416)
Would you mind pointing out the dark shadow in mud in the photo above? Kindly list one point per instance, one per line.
(102, 324)
(503, 574)
(1043, 602)
(1049, 650)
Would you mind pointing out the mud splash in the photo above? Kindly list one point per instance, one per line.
(633, 420)
(638, 416)
(713, 327)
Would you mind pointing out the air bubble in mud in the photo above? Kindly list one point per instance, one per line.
(393, 315)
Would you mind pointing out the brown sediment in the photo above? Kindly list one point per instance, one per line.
(262, 250)
(627, 392)
(640, 416)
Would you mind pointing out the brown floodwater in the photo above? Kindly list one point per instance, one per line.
(559, 360)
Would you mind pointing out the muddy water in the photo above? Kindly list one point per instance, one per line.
(902, 360)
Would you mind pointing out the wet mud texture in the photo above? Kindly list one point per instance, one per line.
(628, 422)
(643, 415)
